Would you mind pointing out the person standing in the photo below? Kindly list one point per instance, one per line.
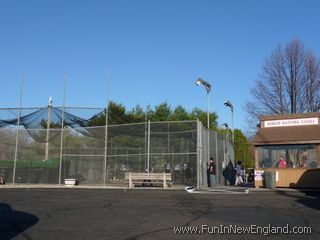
(2, 180)
(239, 179)
(282, 163)
(212, 172)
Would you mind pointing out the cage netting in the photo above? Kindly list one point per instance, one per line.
(50, 118)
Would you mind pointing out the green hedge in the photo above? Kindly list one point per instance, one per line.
(51, 163)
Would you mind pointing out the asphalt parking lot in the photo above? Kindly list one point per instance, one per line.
(154, 214)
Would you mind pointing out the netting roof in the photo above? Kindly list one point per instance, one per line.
(39, 119)
(36, 123)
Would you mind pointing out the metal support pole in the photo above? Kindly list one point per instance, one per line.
(232, 124)
(208, 126)
(199, 155)
(62, 127)
(146, 138)
(208, 89)
(17, 134)
(139, 158)
(168, 146)
(46, 155)
(229, 104)
(168, 139)
(224, 160)
(148, 157)
(217, 161)
(127, 160)
(105, 150)
(145, 144)
(208, 116)
(227, 141)
(106, 136)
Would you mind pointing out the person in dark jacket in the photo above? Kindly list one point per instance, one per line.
(212, 172)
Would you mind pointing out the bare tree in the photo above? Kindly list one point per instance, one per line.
(312, 83)
(289, 83)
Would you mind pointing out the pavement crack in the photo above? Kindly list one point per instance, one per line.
(136, 237)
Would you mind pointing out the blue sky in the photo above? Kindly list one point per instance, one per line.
(154, 49)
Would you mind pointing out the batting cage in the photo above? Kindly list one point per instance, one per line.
(50, 144)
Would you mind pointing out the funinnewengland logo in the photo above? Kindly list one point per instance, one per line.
(237, 229)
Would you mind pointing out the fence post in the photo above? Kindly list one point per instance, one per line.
(130, 181)
(148, 157)
(217, 161)
(17, 134)
(105, 150)
(224, 160)
(199, 155)
(62, 127)
(106, 134)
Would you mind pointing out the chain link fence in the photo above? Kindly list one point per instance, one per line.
(95, 156)
(220, 148)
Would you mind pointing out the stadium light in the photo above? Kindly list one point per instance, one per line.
(204, 83)
(208, 89)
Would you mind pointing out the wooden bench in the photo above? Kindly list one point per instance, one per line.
(148, 178)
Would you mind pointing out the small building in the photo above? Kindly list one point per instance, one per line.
(289, 145)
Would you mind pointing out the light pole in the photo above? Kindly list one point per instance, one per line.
(225, 152)
(229, 104)
(227, 136)
(208, 88)
(227, 127)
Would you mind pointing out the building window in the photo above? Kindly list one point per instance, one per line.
(287, 156)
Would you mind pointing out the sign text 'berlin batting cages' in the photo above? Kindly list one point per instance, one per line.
(291, 122)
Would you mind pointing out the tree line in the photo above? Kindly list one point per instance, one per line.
(118, 114)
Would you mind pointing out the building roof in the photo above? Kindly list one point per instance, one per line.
(290, 116)
(288, 135)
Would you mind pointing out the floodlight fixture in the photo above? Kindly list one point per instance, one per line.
(204, 83)
(198, 82)
(229, 104)
(207, 86)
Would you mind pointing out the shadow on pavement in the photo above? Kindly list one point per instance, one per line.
(310, 200)
(13, 223)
